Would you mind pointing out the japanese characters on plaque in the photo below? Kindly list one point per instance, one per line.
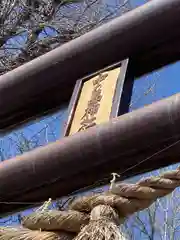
(95, 101)
(89, 117)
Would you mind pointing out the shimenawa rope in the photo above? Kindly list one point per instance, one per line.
(94, 217)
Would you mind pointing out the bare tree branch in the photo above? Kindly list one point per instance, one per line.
(30, 28)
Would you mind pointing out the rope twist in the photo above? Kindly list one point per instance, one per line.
(97, 216)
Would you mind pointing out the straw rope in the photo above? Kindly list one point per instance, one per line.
(7, 233)
(96, 216)
(54, 220)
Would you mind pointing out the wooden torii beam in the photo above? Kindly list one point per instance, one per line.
(149, 35)
(133, 143)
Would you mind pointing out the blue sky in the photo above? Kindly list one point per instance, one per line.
(156, 85)
(137, 3)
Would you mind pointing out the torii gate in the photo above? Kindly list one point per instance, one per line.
(89, 156)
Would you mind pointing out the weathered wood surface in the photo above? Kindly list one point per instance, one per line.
(149, 136)
(149, 35)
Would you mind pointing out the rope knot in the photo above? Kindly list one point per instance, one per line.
(104, 212)
(103, 225)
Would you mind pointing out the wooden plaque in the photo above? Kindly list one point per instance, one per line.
(96, 99)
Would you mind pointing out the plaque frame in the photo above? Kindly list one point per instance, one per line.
(120, 103)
